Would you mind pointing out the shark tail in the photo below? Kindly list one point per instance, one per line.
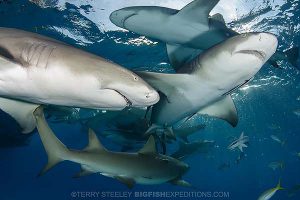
(278, 187)
(55, 149)
(292, 56)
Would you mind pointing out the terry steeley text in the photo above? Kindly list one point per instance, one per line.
(149, 194)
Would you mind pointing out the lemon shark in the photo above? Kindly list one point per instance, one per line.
(186, 32)
(40, 70)
(144, 167)
(204, 85)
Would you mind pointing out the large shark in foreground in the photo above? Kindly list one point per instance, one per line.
(40, 70)
(144, 167)
(186, 32)
(204, 85)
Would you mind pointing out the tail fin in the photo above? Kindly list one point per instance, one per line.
(292, 56)
(278, 187)
(55, 150)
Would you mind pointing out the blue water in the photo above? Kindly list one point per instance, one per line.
(266, 106)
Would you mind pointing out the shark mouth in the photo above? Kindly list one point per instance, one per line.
(128, 102)
(259, 54)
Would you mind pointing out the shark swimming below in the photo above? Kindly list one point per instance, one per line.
(144, 167)
(186, 32)
(187, 149)
(239, 143)
(204, 85)
(38, 70)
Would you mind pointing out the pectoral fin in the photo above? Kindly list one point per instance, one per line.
(223, 109)
(21, 111)
(129, 182)
(197, 11)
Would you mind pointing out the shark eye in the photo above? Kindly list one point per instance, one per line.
(135, 78)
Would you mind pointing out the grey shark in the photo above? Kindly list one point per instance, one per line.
(239, 143)
(187, 149)
(40, 70)
(144, 167)
(184, 132)
(204, 85)
(187, 32)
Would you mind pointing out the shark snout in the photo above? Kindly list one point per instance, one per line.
(260, 45)
(269, 43)
(119, 17)
(185, 167)
(152, 97)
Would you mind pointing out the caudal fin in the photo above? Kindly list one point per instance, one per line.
(292, 56)
(55, 150)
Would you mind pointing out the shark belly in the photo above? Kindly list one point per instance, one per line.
(54, 85)
(143, 169)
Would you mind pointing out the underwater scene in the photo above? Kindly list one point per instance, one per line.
(161, 99)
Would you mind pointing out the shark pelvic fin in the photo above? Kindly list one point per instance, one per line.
(84, 172)
(150, 147)
(129, 182)
(223, 109)
(179, 55)
(21, 111)
(181, 182)
(197, 11)
(94, 143)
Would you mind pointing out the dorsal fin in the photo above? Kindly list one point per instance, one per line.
(180, 55)
(218, 17)
(197, 11)
(150, 147)
(94, 143)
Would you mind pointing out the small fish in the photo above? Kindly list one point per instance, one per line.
(276, 139)
(239, 143)
(298, 98)
(297, 112)
(269, 193)
(274, 127)
(276, 165)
